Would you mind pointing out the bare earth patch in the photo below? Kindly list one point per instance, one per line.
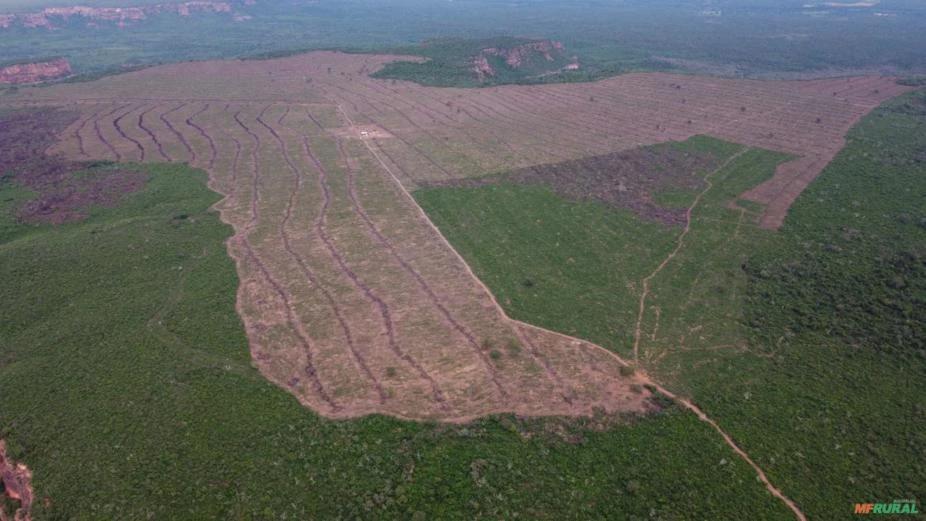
(61, 193)
(15, 481)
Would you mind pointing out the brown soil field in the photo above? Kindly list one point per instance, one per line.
(351, 298)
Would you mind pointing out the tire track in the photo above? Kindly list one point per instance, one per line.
(309, 273)
(680, 242)
(141, 149)
(154, 138)
(486, 362)
(192, 124)
(296, 325)
(183, 141)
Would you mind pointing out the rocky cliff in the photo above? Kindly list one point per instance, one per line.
(34, 72)
(533, 58)
(52, 17)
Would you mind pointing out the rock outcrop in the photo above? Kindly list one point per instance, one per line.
(20, 73)
(533, 58)
(52, 17)
(15, 478)
(515, 56)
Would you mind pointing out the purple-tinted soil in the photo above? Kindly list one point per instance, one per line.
(61, 196)
(627, 179)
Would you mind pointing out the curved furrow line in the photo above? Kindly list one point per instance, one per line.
(457, 325)
(141, 149)
(80, 139)
(291, 316)
(174, 131)
(141, 125)
(255, 176)
(383, 241)
(294, 323)
(283, 116)
(192, 124)
(309, 273)
(99, 134)
(380, 304)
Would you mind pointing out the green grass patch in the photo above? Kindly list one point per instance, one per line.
(551, 261)
(674, 198)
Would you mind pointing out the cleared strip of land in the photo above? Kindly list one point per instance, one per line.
(352, 299)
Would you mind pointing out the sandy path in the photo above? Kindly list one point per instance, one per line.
(680, 243)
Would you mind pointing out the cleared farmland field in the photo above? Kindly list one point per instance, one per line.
(352, 299)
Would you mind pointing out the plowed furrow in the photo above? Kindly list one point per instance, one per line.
(430, 112)
(255, 177)
(308, 272)
(192, 124)
(118, 127)
(77, 131)
(154, 138)
(173, 130)
(291, 316)
(99, 133)
(360, 211)
(294, 323)
(457, 325)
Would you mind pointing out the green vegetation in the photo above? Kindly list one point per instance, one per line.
(806, 344)
(912, 81)
(570, 266)
(737, 38)
(547, 259)
(450, 64)
(128, 389)
(674, 198)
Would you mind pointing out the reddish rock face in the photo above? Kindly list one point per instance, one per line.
(15, 479)
(48, 17)
(34, 72)
(515, 56)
